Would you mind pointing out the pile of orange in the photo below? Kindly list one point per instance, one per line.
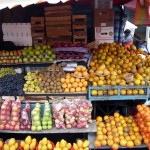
(73, 82)
(115, 61)
(117, 130)
(143, 120)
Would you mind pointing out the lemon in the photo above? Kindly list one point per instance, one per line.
(28, 140)
(39, 147)
(49, 146)
(34, 140)
(1, 144)
(13, 147)
(26, 147)
(22, 144)
(32, 145)
(62, 144)
(11, 142)
(44, 147)
(68, 145)
(65, 148)
(44, 141)
(16, 145)
(57, 144)
(6, 147)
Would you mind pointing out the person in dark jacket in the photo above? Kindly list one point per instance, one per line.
(128, 39)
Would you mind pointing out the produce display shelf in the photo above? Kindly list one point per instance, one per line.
(55, 94)
(91, 138)
(118, 96)
(92, 128)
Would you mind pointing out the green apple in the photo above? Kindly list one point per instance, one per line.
(30, 48)
(38, 60)
(34, 56)
(48, 47)
(37, 123)
(49, 127)
(54, 56)
(47, 56)
(44, 60)
(44, 123)
(25, 59)
(38, 47)
(33, 128)
(50, 122)
(31, 53)
(28, 56)
(33, 113)
(51, 59)
(24, 53)
(45, 118)
(49, 52)
(25, 48)
(41, 56)
(37, 52)
(36, 118)
(46, 114)
(39, 128)
(44, 127)
(31, 60)
(44, 47)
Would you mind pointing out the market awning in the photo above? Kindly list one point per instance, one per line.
(13, 3)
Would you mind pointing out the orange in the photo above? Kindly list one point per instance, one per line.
(77, 80)
(78, 89)
(64, 85)
(83, 80)
(67, 81)
(63, 80)
(92, 64)
(68, 75)
(80, 84)
(97, 144)
(78, 68)
(75, 85)
(99, 137)
(83, 89)
(69, 86)
(72, 90)
(85, 74)
(72, 80)
(83, 69)
(66, 90)
(99, 119)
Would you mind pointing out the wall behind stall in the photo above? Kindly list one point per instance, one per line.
(23, 15)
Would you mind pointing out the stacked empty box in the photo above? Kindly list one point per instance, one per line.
(79, 27)
(58, 24)
(37, 31)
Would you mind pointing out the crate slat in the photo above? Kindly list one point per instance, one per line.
(58, 8)
(58, 13)
(66, 18)
(58, 23)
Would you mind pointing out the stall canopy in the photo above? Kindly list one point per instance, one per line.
(13, 3)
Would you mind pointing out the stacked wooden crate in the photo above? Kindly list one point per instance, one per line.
(38, 31)
(58, 24)
(79, 27)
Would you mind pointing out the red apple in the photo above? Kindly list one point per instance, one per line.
(7, 126)
(2, 127)
(14, 113)
(15, 108)
(13, 123)
(3, 117)
(17, 127)
(3, 112)
(11, 128)
(15, 119)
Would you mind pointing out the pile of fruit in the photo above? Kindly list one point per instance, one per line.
(114, 62)
(80, 144)
(38, 54)
(28, 143)
(39, 123)
(11, 144)
(10, 57)
(76, 114)
(143, 121)
(10, 115)
(77, 81)
(116, 130)
(10, 82)
(46, 81)
(1, 144)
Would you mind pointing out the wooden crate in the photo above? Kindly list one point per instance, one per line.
(79, 39)
(37, 27)
(39, 40)
(79, 28)
(58, 24)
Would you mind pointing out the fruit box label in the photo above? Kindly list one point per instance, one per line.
(104, 33)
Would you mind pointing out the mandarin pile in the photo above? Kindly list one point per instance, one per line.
(143, 121)
(114, 62)
(77, 81)
(116, 130)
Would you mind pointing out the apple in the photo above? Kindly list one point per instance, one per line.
(37, 52)
(39, 128)
(46, 114)
(3, 112)
(31, 60)
(2, 117)
(44, 127)
(37, 123)
(49, 127)
(25, 59)
(50, 122)
(44, 123)
(33, 128)
(43, 59)
(45, 118)
(36, 118)
(13, 123)
(51, 60)
(15, 119)
(20, 60)
(44, 47)
(15, 109)
(2, 126)
(14, 113)
(54, 56)
(11, 128)
(17, 127)
(38, 60)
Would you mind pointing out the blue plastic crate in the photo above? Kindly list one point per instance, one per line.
(118, 93)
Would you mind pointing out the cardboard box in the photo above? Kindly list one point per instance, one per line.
(103, 4)
(103, 18)
(104, 34)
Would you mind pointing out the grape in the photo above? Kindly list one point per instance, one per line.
(12, 85)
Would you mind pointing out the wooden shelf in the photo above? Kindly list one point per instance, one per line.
(92, 128)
